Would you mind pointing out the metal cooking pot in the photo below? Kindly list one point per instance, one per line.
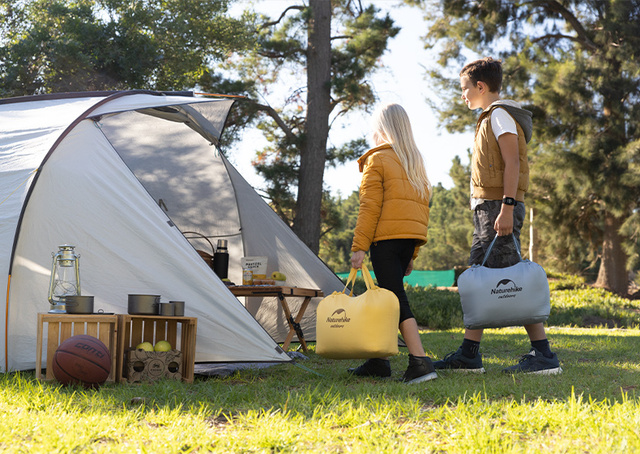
(79, 304)
(143, 304)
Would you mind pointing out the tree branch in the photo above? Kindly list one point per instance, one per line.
(284, 55)
(327, 230)
(284, 13)
(279, 121)
(358, 7)
(341, 37)
(556, 7)
(556, 36)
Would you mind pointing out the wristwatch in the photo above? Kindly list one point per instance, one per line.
(509, 201)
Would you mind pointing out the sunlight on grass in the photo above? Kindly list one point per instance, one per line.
(592, 407)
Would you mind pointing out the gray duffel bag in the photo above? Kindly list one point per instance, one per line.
(498, 297)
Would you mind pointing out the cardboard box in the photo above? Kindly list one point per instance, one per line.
(257, 265)
(151, 366)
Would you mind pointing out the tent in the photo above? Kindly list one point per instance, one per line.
(121, 176)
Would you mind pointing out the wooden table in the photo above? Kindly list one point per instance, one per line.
(282, 292)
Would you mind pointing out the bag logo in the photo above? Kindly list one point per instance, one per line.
(339, 316)
(504, 290)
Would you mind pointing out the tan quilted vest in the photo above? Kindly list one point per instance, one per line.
(487, 165)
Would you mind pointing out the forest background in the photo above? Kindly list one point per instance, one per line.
(574, 64)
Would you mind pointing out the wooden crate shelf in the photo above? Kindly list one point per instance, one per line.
(61, 327)
(180, 332)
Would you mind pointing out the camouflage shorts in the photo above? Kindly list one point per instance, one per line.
(504, 252)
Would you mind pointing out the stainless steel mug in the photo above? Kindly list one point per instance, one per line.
(178, 308)
(165, 309)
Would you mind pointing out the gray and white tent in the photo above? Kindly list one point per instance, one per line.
(121, 176)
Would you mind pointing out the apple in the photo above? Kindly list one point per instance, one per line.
(278, 276)
(146, 346)
(162, 346)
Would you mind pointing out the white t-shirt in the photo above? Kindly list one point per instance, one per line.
(501, 123)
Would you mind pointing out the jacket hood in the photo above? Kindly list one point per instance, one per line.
(522, 116)
(362, 159)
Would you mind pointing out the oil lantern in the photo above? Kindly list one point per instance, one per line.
(65, 278)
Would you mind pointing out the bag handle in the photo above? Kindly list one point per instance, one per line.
(486, 255)
(368, 280)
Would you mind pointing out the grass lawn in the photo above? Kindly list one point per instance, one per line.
(592, 407)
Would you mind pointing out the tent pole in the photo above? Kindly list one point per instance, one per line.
(532, 244)
(6, 328)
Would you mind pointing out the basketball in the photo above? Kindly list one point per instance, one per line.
(82, 360)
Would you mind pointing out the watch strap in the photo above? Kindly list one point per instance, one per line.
(509, 201)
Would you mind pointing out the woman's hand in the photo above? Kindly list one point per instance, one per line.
(356, 259)
(409, 268)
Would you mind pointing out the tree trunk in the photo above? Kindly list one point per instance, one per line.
(313, 150)
(612, 274)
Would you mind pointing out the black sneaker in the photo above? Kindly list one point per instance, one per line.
(374, 367)
(535, 362)
(420, 369)
(458, 362)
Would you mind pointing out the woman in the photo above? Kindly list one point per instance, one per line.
(392, 225)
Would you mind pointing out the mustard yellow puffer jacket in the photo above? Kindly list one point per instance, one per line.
(390, 208)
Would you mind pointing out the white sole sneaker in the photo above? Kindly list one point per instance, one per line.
(423, 378)
(555, 371)
(464, 371)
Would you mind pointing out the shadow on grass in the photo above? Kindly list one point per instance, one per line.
(590, 317)
(599, 364)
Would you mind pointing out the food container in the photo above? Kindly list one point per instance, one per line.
(79, 304)
(143, 304)
(257, 265)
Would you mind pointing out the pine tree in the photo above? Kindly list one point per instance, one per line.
(576, 65)
(52, 46)
(338, 43)
(335, 245)
(450, 224)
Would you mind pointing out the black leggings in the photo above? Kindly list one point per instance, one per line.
(390, 259)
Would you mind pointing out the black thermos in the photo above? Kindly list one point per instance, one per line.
(221, 260)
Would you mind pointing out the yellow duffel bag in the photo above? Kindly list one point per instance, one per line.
(364, 326)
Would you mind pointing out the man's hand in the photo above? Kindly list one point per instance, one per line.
(504, 222)
(356, 259)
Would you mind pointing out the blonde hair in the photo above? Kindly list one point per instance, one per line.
(391, 125)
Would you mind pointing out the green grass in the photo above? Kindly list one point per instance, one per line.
(592, 407)
(593, 307)
(573, 303)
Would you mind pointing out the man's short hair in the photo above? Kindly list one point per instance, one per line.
(486, 70)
